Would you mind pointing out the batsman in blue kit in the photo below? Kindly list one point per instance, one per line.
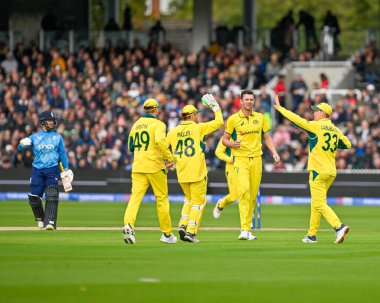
(48, 150)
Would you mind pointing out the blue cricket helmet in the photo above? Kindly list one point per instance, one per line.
(47, 115)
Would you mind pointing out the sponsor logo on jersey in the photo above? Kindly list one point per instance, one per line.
(249, 132)
(44, 146)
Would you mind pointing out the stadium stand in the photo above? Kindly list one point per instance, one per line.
(98, 93)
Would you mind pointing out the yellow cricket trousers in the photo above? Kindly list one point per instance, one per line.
(248, 172)
(140, 184)
(319, 185)
(193, 208)
(232, 190)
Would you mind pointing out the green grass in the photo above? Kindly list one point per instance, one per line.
(96, 266)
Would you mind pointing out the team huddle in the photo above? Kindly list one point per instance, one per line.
(182, 148)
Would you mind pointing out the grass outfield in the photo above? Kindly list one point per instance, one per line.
(96, 266)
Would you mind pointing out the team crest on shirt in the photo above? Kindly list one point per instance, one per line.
(54, 137)
(255, 122)
(39, 137)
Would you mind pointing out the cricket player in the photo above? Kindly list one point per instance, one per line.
(187, 141)
(246, 128)
(48, 150)
(147, 140)
(224, 153)
(324, 140)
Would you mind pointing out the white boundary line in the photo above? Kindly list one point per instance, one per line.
(81, 228)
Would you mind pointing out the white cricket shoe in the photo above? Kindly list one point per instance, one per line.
(251, 237)
(246, 235)
(243, 235)
(49, 227)
(217, 211)
(309, 239)
(40, 224)
(341, 233)
(129, 234)
(172, 239)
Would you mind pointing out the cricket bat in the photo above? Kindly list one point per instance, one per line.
(66, 180)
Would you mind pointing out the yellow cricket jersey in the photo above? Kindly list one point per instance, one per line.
(324, 140)
(187, 141)
(249, 131)
(224, 153)
(147, 140)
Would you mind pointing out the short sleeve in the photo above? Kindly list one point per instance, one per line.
(265, 125)
(230, 126)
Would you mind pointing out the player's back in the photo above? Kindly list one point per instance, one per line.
(187, 144)
(324, 141)
(142, 142)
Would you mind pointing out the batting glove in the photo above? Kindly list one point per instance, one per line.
(26, 142)
(68, 173)
(209, 101)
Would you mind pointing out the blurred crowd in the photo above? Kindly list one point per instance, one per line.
(98, 94)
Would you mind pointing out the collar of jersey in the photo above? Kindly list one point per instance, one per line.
(147, 115)
(241, 114)
(187, 122)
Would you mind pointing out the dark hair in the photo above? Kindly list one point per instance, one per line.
(246, 92)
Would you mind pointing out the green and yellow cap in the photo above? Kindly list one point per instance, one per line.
(150, 104)
(189, 110)
(324, 107)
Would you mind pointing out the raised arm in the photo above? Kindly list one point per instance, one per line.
(211, 126)
(297, 120)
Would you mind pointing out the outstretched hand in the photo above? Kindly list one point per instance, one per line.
(209, 101)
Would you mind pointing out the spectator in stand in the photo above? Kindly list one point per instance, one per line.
(307, 21)
(99, 94)
(324, 80)
(273, 67)
(157, 32)
(280, 91)
(331, 21)
(298, 90)
(127, 25)
(111, 25)
(9, 64)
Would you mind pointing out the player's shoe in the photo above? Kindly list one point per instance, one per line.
(182, 232)
(217, 210)
(40, 224)
(309, 239)
(251, 237)
(129, 234)
(341, 233)
(189, 237)
(168, 238)
(49, 227)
